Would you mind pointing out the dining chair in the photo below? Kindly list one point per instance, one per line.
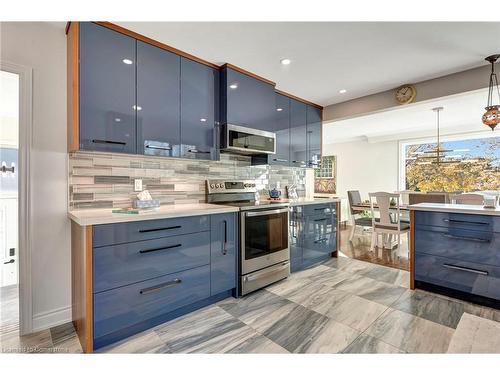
(468, 198)
(386, 223)
(354, 199)
(415, 198)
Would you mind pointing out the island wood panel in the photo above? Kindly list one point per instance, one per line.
(73, 86)
(81, 287)
(412, 249)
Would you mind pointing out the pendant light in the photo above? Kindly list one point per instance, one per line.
(436, 155)
(492, 115)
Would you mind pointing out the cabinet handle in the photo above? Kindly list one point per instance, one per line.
(321, 240)
(159, 229)
(466, 269)
(320, 209)
(103, 141)
(283, 160)
(465, 222)
(320, 219)
(224, 245)
(199, 152)
(465, 238)
(159, 148)
(159, 249)
(159, 287)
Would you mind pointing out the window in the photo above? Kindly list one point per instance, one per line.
(471, 164)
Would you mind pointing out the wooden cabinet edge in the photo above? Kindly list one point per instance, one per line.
(412, 249)
(73, 86)
(81, 284)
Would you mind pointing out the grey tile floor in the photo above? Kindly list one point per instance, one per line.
(341, 306)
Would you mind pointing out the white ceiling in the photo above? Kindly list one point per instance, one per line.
(363, 58)
(461, 114)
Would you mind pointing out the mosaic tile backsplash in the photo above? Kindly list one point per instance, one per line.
(100, 180)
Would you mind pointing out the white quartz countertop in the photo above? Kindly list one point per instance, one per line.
(456, 208)
(105, 216)
(305, 201)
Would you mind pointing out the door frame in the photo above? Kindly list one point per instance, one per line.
(25, 74)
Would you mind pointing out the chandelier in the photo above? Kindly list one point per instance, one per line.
(437, 155)
(492, 115)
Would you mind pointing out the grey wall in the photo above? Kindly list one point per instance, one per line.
(456, 83)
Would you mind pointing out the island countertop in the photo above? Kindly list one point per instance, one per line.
(456, 208)
(105, 216)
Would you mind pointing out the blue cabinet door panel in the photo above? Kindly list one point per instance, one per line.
(248, 101)
(124, 264)
(313, 136)
(282, 129)
(120, 308)
(478, 279)
(223, 247)
(114, 234)
(158, 101)
(107, 90)
(298, 134)
(199, 110)
(463, 244)
(459, 221)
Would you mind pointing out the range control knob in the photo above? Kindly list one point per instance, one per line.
(217, 186)
(212, 186)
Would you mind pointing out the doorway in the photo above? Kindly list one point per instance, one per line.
(9, 201)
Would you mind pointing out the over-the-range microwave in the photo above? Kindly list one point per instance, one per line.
(247, 141)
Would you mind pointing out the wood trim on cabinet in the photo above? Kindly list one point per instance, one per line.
(81, 286)
(73, 85)
(412, 249)
(246, 72)
(337, 204)
(155, 43)
(300, 100)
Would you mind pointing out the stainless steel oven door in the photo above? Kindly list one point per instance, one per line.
(264, 239)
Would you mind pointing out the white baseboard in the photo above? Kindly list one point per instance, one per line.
(51, 318)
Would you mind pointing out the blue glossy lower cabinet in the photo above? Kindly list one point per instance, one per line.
(129, 263)
(117, 310)
(474, 278)
(148, 272)
(312, 234)
(458, 254)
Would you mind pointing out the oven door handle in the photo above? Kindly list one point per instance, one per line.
(266, 212)
(258, 275)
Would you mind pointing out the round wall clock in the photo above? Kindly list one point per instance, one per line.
(406, 94)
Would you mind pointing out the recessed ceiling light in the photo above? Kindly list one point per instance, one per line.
(117, 119)
(127, 61)
(285, 61)
(343, 91)
(203, 119)
(233, 86)
(279, 109)
(138, 108)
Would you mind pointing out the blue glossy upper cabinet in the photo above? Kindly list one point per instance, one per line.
(199, 110)
(247, 101)
(298, 134)
(282, 129)
(158, 101)
(107, 90)
(222, 252)
(313, 137)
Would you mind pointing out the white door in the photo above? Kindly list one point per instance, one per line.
(9, 140)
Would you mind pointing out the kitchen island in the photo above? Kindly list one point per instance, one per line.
(455, 250)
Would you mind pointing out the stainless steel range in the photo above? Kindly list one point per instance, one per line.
(263, 233)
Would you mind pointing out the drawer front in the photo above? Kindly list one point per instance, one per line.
(129, 263)
(467, 245)
(319, 209)
(123, 307)
(479, 279)
(112, 234)
(459, 221)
